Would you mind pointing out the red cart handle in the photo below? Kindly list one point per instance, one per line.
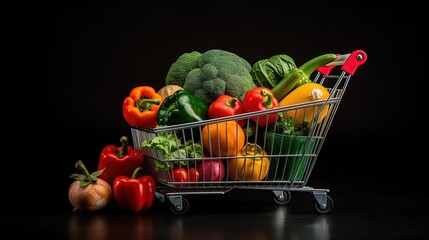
(349, 62)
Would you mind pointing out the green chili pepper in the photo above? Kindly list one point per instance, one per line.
(181, 107)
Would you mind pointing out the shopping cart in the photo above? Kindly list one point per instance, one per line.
(276, 159)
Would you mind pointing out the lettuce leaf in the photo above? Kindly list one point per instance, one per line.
(172, 148)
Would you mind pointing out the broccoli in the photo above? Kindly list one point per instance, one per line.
(178, 70)
(211, 74)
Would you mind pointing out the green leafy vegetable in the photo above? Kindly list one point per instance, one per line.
(172, 148)
(269, 72)
(286, 125)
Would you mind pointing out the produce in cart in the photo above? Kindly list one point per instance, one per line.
(183, 107)
(306, 93)
(172, 148)
(259, 99)
(193, 175)
(226, 105)
(211, 169)
(222, 139)
(211, 74)
(140, 108)
(280, 73)
(278, 157)
(180, 174)
(269, 72)
(168, 90)
(251, 164)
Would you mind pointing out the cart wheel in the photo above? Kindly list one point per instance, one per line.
(177, 209)
(324, 209)
(160, 197)
(282, 197)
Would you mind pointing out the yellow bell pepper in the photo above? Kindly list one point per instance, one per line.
(251, 165)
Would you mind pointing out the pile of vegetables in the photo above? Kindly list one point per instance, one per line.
(211, 74)
(198, 87)
(218, 83)
(281, 75)
(119, 178)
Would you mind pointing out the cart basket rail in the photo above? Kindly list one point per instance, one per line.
(268, 157)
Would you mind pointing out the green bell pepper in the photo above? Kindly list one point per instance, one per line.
(181, 107)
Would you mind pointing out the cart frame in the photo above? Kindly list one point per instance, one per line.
(281, 185)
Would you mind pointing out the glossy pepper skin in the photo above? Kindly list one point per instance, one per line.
(299, 76)
(119, 160)
(226, 105)
(140, 108)
(181, 107)
(135, 194)
(251, 165)
(257, 99)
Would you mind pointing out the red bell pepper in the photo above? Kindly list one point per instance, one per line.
(140, 108)
(116, 161)
(257, 99)
(226, 105)
(135, 194)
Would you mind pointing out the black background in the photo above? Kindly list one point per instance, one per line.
(85, 58)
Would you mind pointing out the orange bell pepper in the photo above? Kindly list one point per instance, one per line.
(140, 108)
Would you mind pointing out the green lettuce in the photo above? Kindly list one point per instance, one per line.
(172, 148)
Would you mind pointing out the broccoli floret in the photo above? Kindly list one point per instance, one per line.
(218, 72)
(181, 67)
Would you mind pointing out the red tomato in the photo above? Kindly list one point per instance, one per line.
(180, 174)
(194, 175)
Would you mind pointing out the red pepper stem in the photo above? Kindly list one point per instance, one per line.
(79, 165)
(231, 102)
(124, 148)
(138, 169)
(146, 103)
(268, 98)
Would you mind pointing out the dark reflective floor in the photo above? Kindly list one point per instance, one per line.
(241, 214)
